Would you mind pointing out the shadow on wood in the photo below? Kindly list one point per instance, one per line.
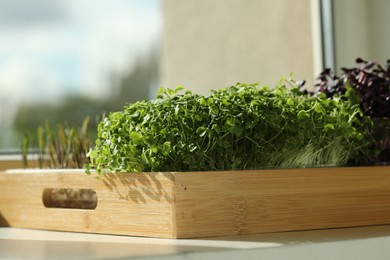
(140, 187)
(3, 222)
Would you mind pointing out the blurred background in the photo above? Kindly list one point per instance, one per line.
(63, 60)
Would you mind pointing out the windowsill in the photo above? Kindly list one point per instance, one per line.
(13, 161)
(343, 243)
(10, 161)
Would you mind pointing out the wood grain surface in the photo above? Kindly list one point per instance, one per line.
(202, 204)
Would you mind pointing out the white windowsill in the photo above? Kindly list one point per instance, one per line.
(349, 243)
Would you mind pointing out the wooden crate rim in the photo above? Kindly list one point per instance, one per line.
(296, 169)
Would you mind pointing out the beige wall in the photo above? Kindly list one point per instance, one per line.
(208, 44)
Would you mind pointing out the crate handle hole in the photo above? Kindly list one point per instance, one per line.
(66, 198)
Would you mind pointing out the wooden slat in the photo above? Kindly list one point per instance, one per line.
(132, 204)
(201, 204)
(230, 203)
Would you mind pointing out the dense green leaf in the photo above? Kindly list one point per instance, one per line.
(136, 137)
(240, 127)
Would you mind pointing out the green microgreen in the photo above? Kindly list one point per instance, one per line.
(60, 147)
(240, 127)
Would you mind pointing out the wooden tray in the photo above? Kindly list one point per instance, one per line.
(201, 204)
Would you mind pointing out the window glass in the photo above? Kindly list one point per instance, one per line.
(359, 30)
(63, 60)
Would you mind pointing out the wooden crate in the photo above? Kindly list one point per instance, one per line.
(201, 204)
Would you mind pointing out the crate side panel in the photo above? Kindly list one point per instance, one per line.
(245, 202)
(132, 204)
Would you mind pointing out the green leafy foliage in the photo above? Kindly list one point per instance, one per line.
(368, 85)
(61, 147)
(239, 127)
